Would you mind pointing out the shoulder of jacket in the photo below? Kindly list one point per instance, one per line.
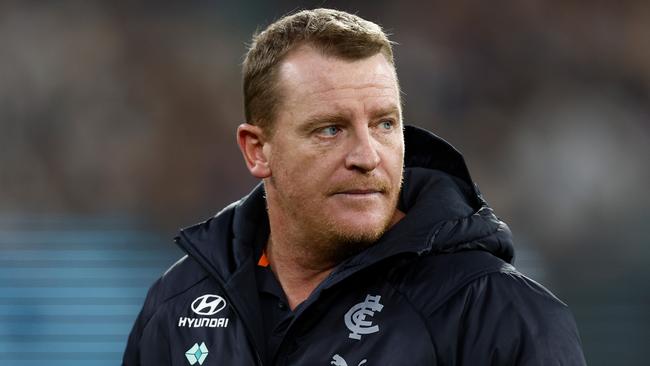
(474, 303)
(517, 288)
(428, 281)
(181, 276)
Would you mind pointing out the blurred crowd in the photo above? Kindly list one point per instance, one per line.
(130, 108)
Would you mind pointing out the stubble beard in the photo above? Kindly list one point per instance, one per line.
(328, 241)
(341, 244)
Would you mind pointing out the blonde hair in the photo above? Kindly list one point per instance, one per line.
(332, 32)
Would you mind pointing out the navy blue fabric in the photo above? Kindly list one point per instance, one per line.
(276, 314)
(443, 277)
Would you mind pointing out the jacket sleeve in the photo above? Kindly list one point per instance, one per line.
(511, 320)
(138, 345)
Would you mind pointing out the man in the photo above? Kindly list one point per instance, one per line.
(366, 244)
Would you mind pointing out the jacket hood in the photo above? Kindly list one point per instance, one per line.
(445, 213)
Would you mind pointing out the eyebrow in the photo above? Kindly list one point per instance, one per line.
(393, 109)
(319, 119)
(338, 117)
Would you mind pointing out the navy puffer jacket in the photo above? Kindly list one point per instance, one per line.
(437, 289)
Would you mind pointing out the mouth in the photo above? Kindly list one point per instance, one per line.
(361, 189)
(362, 192)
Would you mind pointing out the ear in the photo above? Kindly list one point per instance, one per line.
(251, 140)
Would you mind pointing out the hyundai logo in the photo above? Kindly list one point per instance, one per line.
(208, 304)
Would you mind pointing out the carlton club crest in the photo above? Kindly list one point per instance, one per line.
(355, 318)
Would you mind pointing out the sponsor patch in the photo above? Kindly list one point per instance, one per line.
(197, 353)
(205, 305)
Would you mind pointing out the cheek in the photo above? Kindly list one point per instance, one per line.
(394, 158)
(294, 169)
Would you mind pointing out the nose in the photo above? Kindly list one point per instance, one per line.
(363, 154)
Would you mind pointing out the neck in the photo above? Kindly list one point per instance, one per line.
(297, 262)
(298, 274)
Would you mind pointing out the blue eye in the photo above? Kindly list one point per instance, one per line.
(330, 131)
(386, 125)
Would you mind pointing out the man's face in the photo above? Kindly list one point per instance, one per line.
(336, 155)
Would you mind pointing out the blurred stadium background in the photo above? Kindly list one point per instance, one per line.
(117, 123)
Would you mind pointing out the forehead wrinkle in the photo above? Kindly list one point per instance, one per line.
(319, 96)
(327, 83)
(359, 87)
(343, 104)
(324, 82)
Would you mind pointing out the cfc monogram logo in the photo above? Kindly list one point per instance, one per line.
(355, 318)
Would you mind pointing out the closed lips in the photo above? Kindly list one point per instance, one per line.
(361, 191)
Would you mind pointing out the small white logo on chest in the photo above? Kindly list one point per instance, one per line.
(197, 353)
(208, 304)
(355, 318)
(340, 361)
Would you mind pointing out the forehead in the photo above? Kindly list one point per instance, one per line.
(310, 80)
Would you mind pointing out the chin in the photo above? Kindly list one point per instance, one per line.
(362, 231)
(348, 243)
(346, 236)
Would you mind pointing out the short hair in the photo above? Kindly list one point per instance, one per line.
(332, 32)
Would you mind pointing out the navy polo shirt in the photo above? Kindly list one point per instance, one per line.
(276, 313)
